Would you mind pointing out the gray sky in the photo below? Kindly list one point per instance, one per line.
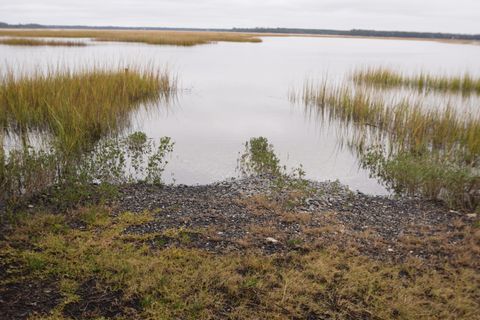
(419, 15)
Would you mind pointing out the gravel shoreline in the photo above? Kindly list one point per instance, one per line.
(239, 214)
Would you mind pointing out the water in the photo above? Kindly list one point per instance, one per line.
(231, 92)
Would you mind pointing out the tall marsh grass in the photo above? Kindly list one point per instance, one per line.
(77, 111)
(405, 122)
(441, 143)
(385, 77)
(177, 38)
(78, 108)
(40, 42)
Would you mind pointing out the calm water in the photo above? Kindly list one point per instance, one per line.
(231, 92)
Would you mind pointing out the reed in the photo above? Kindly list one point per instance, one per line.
(177, 38)
(385, 77)
(40, 43)
(78, 108)
(405, 122)
(431, 152)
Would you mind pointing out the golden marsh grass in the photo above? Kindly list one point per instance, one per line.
(177, 38)
(406, 123)
(78, 107)
(385, 77)
(39, 42)
(413, 150)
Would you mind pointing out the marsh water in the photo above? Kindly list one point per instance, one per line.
(230, 92)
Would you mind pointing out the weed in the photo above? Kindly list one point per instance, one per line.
(111, 162)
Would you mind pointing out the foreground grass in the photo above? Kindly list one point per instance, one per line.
(78, 108)
(92, 269)
(385, 77)
(178, 38)
(38, 43)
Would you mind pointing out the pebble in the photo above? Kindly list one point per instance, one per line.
(271, 240)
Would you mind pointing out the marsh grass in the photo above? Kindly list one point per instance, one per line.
(40, 42)
(405, 122)
(79, 114)
(386, 78)
(78, 108)
(177, 38)
(430, 152)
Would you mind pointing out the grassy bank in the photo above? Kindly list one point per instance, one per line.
(40, 43)
(386, 78)
(177, 38)
(84, 265)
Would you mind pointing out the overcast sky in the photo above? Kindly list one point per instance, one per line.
(421, 15)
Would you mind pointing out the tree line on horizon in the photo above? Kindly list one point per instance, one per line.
(327, 32)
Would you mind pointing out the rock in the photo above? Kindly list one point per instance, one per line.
(271, 240)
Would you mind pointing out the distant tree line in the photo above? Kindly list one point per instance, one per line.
(364, 33)
(327, 32)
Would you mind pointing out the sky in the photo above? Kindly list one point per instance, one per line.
(459, 16)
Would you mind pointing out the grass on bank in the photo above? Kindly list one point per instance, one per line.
(78, 108)
(40, 43)
(385, 77)
(99, 271)
(177, 38)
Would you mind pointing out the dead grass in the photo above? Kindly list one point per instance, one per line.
(177, 38)
(190, 283)
(38, 42)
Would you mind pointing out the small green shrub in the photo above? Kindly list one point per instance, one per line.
(259, 159)
(428, 175)
(111, 162)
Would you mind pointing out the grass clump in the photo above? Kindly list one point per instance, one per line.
(260, 160)
(40, 43)
(408, 125)
(78, 108)
(447, 138)
(387, 78)
(177, 38)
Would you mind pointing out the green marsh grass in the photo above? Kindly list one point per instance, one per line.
(385, 77)
(40, 42)
(177, 38)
